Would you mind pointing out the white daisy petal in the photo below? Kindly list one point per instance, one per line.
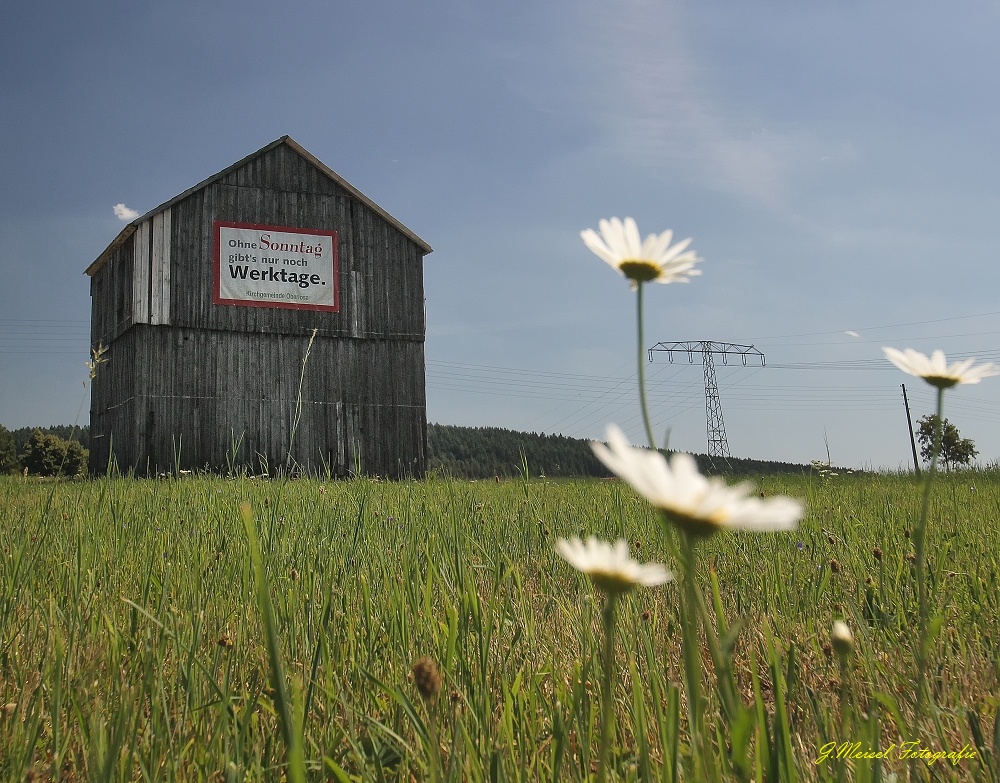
(656, 245)
(598, 247)
(633, 243)
(614, 233)
(680, 247)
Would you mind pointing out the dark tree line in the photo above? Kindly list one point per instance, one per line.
(485, 452)
(65, 431)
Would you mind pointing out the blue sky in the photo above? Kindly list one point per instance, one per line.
(836, 164)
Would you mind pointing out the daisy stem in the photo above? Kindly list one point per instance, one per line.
(607, 687)
(845, 713)
(434, 756)
(845, 696)
(640, 355)
(919, 537)
(689, 628)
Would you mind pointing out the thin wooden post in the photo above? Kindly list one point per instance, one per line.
(909, 429)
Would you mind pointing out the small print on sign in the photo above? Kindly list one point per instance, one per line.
(275, 266)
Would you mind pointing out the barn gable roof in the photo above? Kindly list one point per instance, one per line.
(131, 228)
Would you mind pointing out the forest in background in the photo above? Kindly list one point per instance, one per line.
(65, 431)
(488, 452)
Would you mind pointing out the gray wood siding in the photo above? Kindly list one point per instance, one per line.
(187, 381)
(111, 292)
(380, 270)
(183, 396)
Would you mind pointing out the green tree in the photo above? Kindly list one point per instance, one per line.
(65, 431)
(8, 452)
(955, 450)
(50, 455)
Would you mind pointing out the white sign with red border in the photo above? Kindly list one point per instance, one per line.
(275, 266)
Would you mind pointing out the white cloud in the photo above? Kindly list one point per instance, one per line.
(659, 102)
(125, 213)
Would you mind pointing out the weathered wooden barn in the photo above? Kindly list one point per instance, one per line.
(208, 304)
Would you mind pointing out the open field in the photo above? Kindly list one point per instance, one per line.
(131, 643)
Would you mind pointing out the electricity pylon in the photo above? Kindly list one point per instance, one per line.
(718, 445)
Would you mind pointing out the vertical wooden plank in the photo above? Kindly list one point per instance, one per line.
(156, 256)
(160, 269)
(140, 296)
(165, 267)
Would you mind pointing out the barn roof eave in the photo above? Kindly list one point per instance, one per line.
(117, 242)
(354, 191)
(131, 228)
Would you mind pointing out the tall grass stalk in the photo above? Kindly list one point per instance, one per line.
(291, 463)
(607, 686)
(291, 732)
(690, 640)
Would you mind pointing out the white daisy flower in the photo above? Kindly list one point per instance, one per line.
(698, 504)
(652, 260)
(609, 566)
(935, 369)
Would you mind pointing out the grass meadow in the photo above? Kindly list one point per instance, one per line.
(132, 645)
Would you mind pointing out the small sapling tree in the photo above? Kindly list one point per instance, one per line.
(955, 450)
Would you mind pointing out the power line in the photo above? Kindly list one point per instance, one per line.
(877, 328)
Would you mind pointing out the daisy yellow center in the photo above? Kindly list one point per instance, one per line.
(941, 381)
(611, 581)
(640, 270)
(698, 526)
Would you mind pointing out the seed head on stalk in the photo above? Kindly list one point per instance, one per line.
(427, 678)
